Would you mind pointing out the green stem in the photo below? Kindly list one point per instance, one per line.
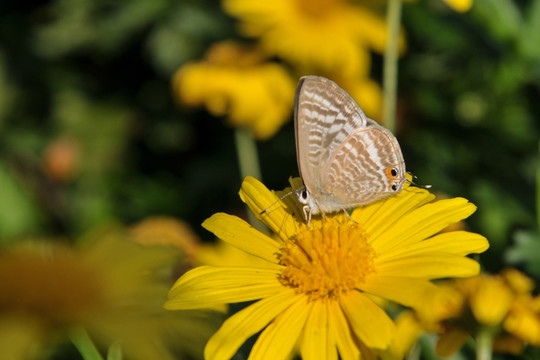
(248, 160)
(79, 337)
(115, 352)
(414, 353)
(390, 70)
(484, 344)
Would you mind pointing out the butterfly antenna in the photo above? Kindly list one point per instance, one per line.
(275, 202)
(418, 185)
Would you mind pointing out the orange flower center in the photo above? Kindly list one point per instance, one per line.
(328, 261)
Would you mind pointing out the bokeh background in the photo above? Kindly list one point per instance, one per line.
(95, 126)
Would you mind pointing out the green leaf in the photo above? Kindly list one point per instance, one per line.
(529, 39)
(18, 212)
(497, 213)
(526, 251)
(79, 337)
(501, 17)
(115, 352)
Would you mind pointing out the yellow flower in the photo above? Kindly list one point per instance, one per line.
(224, 254)
(167, 231)
(460, 5)
(501, 305)
(457, 5)
(315, 294)
(235, 82)
(408, 330)
(329, 36)
(108, 285)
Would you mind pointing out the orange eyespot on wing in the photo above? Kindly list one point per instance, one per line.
(391, 173)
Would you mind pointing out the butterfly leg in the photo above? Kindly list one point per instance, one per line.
(349, 215)
(323, 214)
(307, 214)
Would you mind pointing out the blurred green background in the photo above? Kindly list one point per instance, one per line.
(90, 132)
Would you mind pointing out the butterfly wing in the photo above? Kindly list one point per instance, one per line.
(367, 166)
(324, 116)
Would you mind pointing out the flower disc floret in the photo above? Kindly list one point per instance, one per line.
(326, 262)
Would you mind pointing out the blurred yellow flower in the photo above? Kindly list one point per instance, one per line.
(457, 5)
(110, 286)
(408, 330)
(315, 293)
(167, 231)
(234, 81)
(328, 36)
(460, 5)
(501, 305)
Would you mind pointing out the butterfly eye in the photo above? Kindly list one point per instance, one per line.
(394, 187)
(394, 172)
(304, 194)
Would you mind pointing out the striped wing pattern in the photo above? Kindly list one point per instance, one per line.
(324, 116)
(342, 155)
(355, 174)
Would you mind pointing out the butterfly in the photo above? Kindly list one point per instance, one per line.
(345, 159)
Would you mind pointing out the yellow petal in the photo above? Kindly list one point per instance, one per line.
(524, 323)
(368, 321)
(433, 266)
(380, 216)
(222, 253)
(456, 242)
(235, 81)
(460, 5)
(423, 222)
(403, 290)
(491, 301)
(258, 198)
(207, 286)
(368, 214)
(328, 36)
(339, 326)
(518, 281)
(245, 323)
(277, 341)
(373, 28)
(316, 338)
(408, 332)
(243, 236)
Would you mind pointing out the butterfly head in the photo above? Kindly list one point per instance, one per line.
(309, 206)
